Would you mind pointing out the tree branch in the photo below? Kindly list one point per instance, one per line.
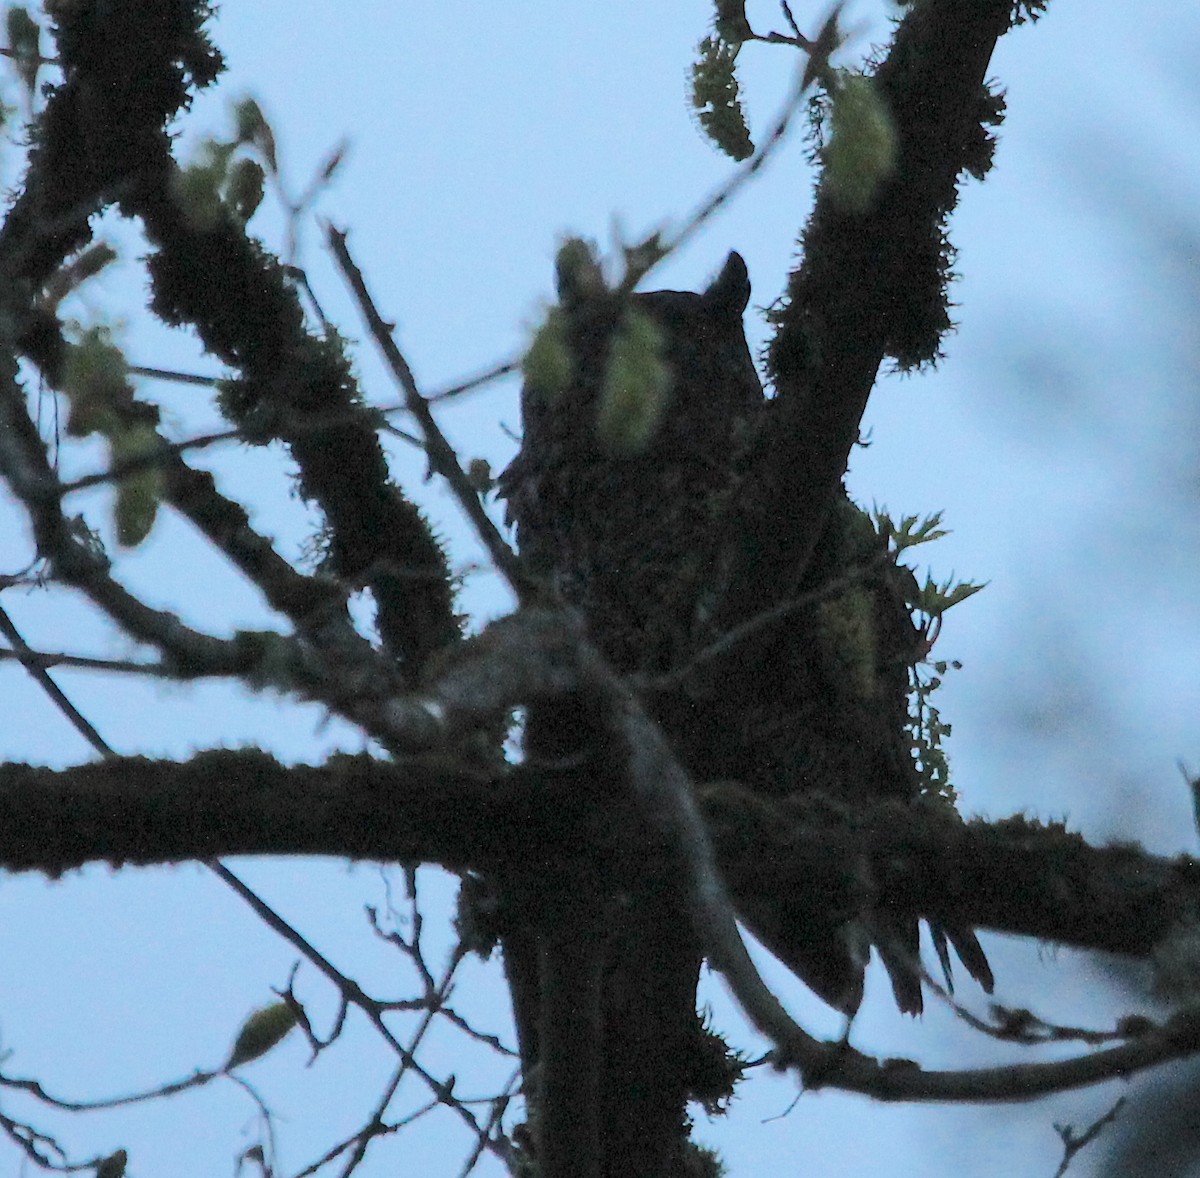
(869, 285)
(136, 811)
(102, 138)
(442, 458)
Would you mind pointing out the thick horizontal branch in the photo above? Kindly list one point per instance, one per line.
(136, 811)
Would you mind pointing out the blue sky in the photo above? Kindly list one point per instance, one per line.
(1059, 435)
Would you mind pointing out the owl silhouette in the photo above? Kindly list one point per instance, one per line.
(643, 544)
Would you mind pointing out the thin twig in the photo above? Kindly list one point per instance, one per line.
(499, 1108)
(24, 463)
(504, 368)
(442, 457)
(351, 990)
(20, 56)
(36, 665)
(175, 377)
(725, 192)
(268, 915)
(1072, 1143)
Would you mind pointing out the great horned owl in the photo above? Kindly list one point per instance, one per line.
(631, 540)
(642, 546)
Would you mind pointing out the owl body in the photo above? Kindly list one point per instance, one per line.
(643, 546)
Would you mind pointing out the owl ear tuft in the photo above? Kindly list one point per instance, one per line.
(730, 290)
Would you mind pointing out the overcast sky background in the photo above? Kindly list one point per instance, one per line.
(1059, 434)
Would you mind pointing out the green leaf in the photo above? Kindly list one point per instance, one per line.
(96, 381)
(577, 272)
(637, 383)
(136, 509)
(548, 364)
(911, 530)
(862, 149)
(717, 99)
(112, 1166)
(934, 598)
(197, 190)
(953, 594)
(139, 492)
(260, 1032)
(253, 128)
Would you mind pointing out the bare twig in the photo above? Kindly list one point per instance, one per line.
(1073, 1143)
(36, 665)
(724, 193)
(346, 986)
(174, 376)
(24, 464)
(504, 368)
(39, 1147)
(355, 995)
(354, 680)
(34, 1088)
(442, 457)
(492, 1125)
